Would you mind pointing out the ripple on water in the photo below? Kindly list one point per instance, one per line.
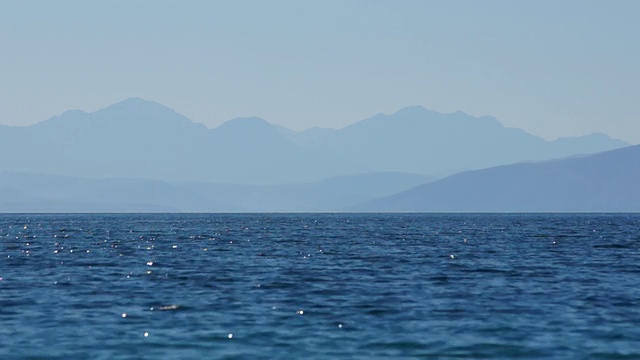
(319, 286)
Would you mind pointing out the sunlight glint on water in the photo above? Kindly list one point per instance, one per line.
(319, 286)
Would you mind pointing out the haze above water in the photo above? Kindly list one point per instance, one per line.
(138, 155)
(554, 69)
(457, 86)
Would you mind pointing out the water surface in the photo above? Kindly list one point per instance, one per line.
(318, 286)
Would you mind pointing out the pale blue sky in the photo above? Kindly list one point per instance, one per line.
(553, 68)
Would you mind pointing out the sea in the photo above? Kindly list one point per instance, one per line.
(320, 286)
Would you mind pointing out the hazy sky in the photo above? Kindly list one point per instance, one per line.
(553, 68)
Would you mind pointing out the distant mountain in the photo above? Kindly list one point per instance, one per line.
(141, 139)
(23, 192)
(332, 194)
(605, 182)
(418, 140)
(136, 138)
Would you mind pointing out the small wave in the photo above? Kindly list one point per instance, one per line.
(614, 246)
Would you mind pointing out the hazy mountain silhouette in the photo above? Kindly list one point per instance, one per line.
(418, 140)
(142, 139)
(332, 194)
(136, 138)
(23, 192)
(603, 182)
(133, 138)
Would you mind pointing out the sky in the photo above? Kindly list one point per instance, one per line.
(553, 68)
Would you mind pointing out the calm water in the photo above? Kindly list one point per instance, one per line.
(319, 286)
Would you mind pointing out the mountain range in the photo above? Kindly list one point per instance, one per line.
(138, 155)
(604, 182)
(29, 192)
(418, 140)
(140, 139)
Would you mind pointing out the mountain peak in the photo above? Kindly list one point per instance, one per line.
(136, 104)
(413, 110)
(132, 111)
(245, 123)
(139, 110)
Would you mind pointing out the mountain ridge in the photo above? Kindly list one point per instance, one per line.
(29, 192)
(137, 102)
(137, 138)
(603, 182)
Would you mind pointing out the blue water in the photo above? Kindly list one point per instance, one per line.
(319, 286)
